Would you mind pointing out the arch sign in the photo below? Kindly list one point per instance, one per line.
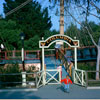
(57, 38)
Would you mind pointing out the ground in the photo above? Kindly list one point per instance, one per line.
(52, 92)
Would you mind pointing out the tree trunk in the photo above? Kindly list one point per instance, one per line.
(98, 60)
(62, 17)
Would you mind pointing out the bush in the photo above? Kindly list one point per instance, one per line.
(88, 67)
(7, 79)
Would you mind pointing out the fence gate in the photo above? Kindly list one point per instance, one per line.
(79, 77)
(52, 76)
(39, 80)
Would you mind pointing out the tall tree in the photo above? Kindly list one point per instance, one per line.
(9, 34)
(63, 4)
(31, 19)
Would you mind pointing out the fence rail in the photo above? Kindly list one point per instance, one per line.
(30, 80)
(18, 80)
(80, 77)
(92, 82)
(16, 55)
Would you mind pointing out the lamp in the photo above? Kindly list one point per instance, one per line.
(22, 35)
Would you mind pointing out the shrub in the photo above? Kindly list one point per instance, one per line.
(6, 79)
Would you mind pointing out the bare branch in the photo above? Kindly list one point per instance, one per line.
(95, 6)
(89, 12)
(84, 28)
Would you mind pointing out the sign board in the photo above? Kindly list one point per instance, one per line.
(58, 38)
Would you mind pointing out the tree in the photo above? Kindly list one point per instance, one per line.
(95, 37)
(9, 34)
(50, 33)
(66, 3)
(31, 19)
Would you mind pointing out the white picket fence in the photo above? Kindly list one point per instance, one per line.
(52, 76)
(79, 77)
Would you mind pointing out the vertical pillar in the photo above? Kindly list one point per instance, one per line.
(43, 66)
(23, 79)
(82, 78)
(75, 50)
(23, 59)
(60, 74)
(62, 17)
(13, 53)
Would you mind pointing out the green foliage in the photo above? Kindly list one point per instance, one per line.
(88, 67)
(31, 19)
(50, 33)
(96, 31)
(9, 34)
(82, 35)
(32, 43)
(72, 31)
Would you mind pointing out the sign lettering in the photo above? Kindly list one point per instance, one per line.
(59, 38)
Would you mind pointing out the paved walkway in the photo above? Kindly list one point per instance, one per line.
(53, 92)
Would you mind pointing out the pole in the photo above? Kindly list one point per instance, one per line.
(43, 66)
(23, 55)
(62, 17)
(75, 50)
(23, 79)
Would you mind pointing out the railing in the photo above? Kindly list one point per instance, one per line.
(18, 80)
(39, 79)
(92, 82)
(35, 54)
(63, 59)
(53, 76)
(16, 55)
(68, 66)
(30, 80)
(79, 77)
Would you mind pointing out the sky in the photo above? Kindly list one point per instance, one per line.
(55, 19)
(1, 6)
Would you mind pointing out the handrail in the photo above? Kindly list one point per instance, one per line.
(20, 79)
(80, 70)
(65, 63)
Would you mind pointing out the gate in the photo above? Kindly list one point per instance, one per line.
(52, 76)
(79, 77)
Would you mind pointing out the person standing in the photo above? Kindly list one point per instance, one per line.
(66, 81)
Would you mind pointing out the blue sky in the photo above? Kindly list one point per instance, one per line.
(55, 19)
(1, 6)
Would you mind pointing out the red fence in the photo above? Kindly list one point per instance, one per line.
(34, 54)
(28, 55)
